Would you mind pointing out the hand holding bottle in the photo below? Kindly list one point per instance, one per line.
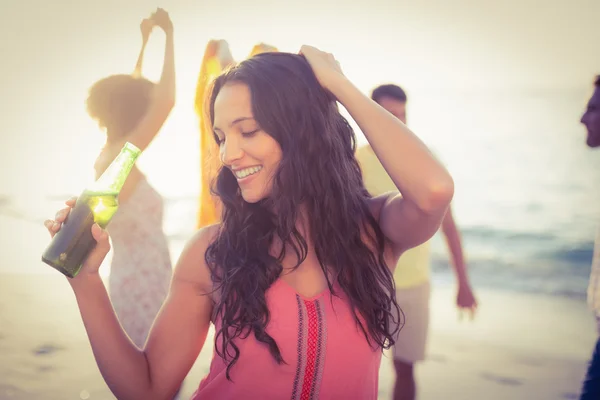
(80, 239)
(97, 255)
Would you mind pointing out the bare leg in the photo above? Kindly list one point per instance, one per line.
(405, 386)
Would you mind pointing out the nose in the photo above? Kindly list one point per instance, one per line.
(231, 150)
(584, 118)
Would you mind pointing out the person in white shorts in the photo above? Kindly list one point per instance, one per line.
(412, 271)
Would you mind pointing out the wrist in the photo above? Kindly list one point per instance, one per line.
(464, 284)
(341, 88)
(84, 279)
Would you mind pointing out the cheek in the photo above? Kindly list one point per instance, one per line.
(592, 122)
(275, 159)
(269, 152)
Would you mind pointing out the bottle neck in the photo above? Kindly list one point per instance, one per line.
(113, 178)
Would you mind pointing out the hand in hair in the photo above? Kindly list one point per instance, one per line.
(324, 65)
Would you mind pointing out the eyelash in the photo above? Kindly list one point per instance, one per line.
(244, 134)
(250, 134)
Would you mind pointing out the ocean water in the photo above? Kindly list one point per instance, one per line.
(527, 188)
(526, 198)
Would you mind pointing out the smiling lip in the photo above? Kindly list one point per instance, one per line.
(244, 175)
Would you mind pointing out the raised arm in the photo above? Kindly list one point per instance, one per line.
(178, 333)
(426, 187)
(163, 98)
(145, 27)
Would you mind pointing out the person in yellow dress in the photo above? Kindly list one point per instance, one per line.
(217, 57)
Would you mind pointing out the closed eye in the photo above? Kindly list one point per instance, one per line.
(250, 134)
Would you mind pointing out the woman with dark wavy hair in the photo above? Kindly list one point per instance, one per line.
(297, 277)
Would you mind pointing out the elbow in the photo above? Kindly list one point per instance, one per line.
(169, 101)
(165, 97)
(438, 197)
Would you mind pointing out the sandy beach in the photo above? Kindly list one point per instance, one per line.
(500, 108)
(520, 346)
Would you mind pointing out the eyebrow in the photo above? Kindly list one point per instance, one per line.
(235, 121)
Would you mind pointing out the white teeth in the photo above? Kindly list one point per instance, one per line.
(242, 173)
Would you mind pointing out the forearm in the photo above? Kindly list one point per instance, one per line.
(454, 243)
(123, 366)
(137, 71)
(414, 170)
(458, 261)
(166, 86)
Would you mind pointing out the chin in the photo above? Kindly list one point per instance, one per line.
(593, 141)
(252, 197)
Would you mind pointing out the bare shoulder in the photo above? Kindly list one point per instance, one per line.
(192, 267)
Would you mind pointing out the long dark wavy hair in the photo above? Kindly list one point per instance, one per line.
(318, 172)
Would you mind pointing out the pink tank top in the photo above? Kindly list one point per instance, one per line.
(326, 354)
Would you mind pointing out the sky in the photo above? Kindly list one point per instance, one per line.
(53, 51)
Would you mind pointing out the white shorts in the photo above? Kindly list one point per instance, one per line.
(412, 339)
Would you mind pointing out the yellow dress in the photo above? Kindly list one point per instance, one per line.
(216, 59)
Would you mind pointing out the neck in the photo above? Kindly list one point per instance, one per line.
(303, 227)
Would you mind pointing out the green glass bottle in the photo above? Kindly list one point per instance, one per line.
(97, 204)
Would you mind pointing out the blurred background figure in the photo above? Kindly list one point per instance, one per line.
(217, 57)
(126, 107)
(412, 271)
(591, 120)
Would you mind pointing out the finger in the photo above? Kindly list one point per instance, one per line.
(102, 246)
(52, 226)
(61, 215)
(99, 234)
(48, 224)
(306, 49)
(71, 202)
